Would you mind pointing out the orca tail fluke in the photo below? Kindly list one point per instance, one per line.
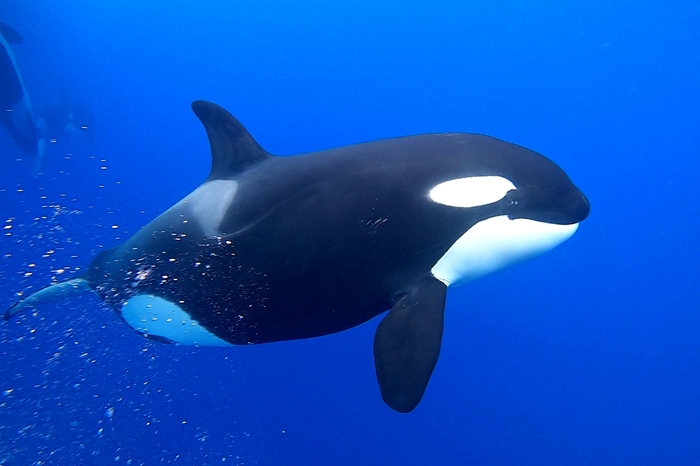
(51, 293)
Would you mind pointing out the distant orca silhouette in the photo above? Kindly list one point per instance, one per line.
(281, 248)
(17, 114)
(64, 118)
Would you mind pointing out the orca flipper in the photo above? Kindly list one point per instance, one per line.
(407, 344)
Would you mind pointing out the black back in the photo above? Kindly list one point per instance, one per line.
(317, 243)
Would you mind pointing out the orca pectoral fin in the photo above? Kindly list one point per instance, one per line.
(407, 344)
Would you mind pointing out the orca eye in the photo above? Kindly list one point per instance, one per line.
(511, 198)
(471, 192)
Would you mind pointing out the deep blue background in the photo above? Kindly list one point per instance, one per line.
(587, 355)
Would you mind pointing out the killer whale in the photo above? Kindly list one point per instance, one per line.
(17, 112)
(273, 248)
(64, 117)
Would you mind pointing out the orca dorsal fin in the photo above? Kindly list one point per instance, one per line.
(10, 35)
(233, 149)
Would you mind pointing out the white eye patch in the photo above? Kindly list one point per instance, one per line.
(471, 192)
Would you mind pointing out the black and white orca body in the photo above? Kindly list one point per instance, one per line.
(17, 113)
(281, 248)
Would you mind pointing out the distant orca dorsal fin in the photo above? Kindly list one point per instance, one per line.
(10, 35)
(233, 149)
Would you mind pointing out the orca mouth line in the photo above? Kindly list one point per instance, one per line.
(571, 214)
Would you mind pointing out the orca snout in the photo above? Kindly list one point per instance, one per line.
(568, 207)
(563, 204)
(579, 208)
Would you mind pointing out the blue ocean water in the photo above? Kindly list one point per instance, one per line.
(589, 354)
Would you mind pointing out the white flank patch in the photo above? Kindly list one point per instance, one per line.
(209, 203)
(471, 192)
(496, 243)
(156, 316)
